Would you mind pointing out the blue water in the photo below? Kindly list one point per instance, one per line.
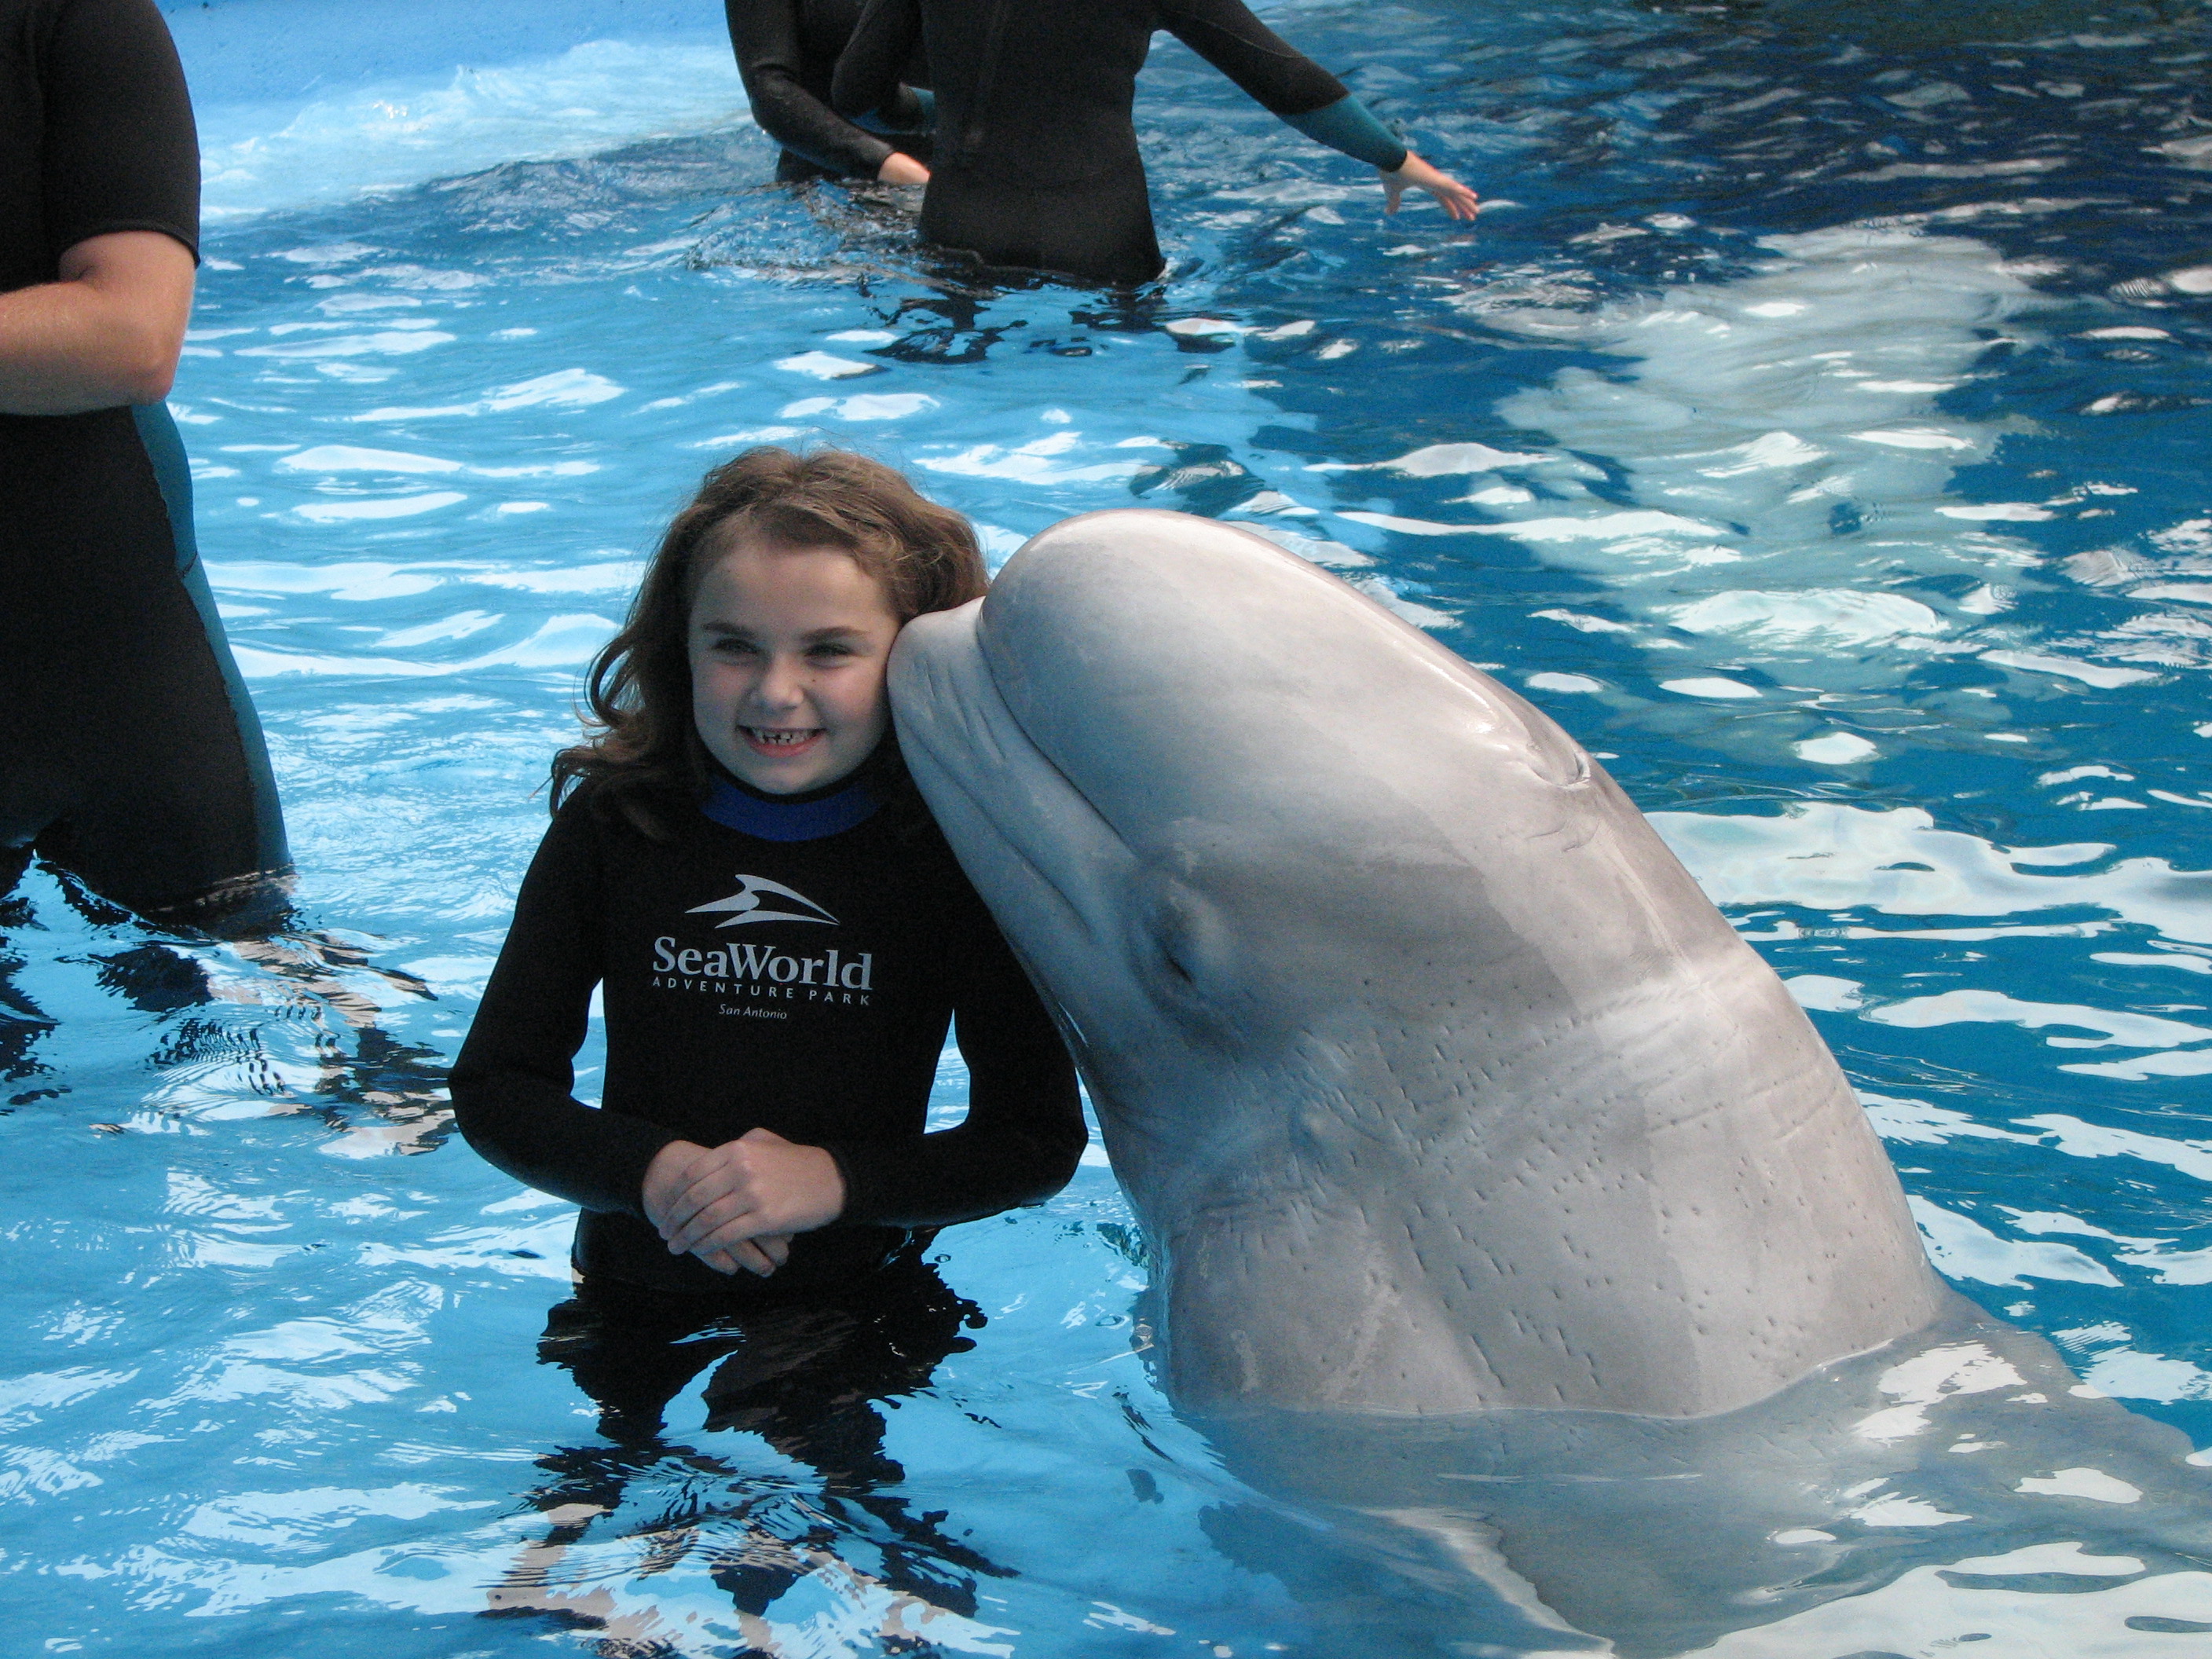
(1822, 404)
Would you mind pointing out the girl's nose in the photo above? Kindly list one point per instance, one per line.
(780, 686)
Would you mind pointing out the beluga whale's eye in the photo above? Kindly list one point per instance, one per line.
(1184, 942)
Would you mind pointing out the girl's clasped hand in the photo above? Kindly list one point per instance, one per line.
(737, 1205)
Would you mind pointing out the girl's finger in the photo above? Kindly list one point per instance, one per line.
(722, 1213)
(749, 1229)
(750, 1256)
(710, 1189)
(747, 1256)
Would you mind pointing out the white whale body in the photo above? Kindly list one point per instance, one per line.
(1436, 1084)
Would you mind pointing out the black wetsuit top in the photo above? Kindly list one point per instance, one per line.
(130, 755)
(786, 51)
(780, 963)
(1036, 162)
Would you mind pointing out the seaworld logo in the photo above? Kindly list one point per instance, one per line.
(761, 965)
(747, 905)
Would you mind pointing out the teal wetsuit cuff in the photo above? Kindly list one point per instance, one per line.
(1349, 126)
(911, 111)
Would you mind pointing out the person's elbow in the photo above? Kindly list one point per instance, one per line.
(145, 370)
(137, 289)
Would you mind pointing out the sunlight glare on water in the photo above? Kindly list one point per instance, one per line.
(1814, 425)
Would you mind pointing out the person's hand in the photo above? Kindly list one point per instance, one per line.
(665, 1178)
(741, 1201)
(900, 168)
(1458, 200)
(762, 1256)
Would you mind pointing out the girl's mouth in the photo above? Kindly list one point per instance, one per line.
(781, 741)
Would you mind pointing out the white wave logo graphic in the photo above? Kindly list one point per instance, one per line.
(745, 904)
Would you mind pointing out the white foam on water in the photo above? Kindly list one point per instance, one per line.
(2126, 1375)
(564, 642)
(1037, 462)
(1963, 1249)
(1749, 414)
(388, 135)
(1837, 748)
(1826, 856)
(381, 506)
(342, 457)
(826, 365)
(1918, 1123)
(1709, 686)
(1812, 618)
(2092, 1483)
(866, 406)
(1955, 1007)
(565, 388)
(1924, 1613)
(390, 343)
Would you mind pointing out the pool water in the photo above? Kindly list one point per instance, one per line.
(1815, 424)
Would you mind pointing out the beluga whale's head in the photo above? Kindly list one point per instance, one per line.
(1435, 1081)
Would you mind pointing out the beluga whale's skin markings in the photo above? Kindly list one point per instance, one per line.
(1436, 1084)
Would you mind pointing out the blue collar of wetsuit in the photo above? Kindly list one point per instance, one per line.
(780, 818)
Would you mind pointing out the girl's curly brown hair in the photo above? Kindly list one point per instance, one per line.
(640, 743)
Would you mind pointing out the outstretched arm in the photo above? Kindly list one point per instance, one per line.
(1287, 84)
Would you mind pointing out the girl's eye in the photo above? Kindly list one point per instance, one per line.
(727, 647)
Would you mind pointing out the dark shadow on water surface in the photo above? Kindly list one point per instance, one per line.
(243, 1016)
(813, 1377)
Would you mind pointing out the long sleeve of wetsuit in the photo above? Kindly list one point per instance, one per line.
(1281, 79)
(884, 41)
(1024, 1132)
(512, 1085)
(767, 38)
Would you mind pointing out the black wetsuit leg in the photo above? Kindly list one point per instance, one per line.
(132, 758)
(803, 1372)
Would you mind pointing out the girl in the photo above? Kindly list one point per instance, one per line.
(739, 858)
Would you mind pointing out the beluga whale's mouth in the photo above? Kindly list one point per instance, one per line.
(1435, 1081)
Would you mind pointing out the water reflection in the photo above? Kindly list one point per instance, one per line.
(255, 1381)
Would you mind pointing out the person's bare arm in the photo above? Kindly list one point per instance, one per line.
(108, 333)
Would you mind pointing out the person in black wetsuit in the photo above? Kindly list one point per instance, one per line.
(781, 936)
(787, 51)
(1036, 164)
(130, 757)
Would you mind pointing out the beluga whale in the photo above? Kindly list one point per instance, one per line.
(1435, 1082)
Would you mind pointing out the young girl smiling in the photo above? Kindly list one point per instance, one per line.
(737, 858)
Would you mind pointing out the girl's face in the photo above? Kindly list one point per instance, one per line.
(789, 649)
